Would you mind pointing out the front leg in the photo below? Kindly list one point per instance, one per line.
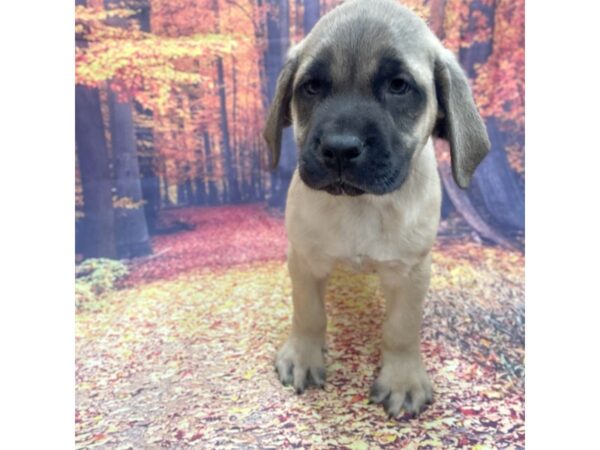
(300, 361)
(403, 382)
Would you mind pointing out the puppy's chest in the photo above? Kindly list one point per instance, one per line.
(364, 263)
(362, 239)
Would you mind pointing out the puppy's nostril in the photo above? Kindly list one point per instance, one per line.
(341, 148)
(352, 153)
(370, 141)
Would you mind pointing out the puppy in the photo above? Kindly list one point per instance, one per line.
(365, 92)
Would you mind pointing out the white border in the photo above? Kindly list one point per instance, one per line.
(36, 231)
(562, 196)
(562, 224)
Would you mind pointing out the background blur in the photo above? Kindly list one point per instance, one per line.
(182, 292)
(171, 97)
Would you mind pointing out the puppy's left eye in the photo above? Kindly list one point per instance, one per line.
(312, 87)
(399, 86)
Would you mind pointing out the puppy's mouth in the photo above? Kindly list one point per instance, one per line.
(342, 187)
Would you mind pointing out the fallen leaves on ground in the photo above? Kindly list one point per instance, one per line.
(182, 357)
(221, 237)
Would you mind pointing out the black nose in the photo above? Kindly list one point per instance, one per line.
(338, 149)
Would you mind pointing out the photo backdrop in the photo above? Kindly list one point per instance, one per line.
(182, 291)
(171, 97)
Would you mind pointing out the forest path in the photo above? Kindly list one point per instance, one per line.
(181, 357)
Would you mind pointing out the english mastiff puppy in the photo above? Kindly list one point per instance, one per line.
(365, 93)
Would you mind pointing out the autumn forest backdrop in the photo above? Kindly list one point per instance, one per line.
(182, 292)
(171, 97)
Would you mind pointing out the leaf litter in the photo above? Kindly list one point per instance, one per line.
(182, 355)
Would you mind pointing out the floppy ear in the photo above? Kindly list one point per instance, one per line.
(459, 122)
(279, 115)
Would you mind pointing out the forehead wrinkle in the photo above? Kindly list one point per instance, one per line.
(421, 71)
(352, 44)
(357, 41)
(307, 61)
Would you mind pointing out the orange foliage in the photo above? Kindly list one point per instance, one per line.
(172, 72)
(196, 108)
(499, 82)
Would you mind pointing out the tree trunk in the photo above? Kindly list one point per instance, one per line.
(239, 165)
(478, 52)
(437, 10)
(278, 31)
(312, 12)
(97, 237)
(132, 232)
(187, 185)
(257, 172)
(502, 200)
(213, 194)
(234, 107)
(180, 187)
(150, 181)
(145, 136)
(495, 192)
(98, 230)
(200, 196)
(495, 199)
(462, 202)
(166, 199)
(279, 40)
(233, 191)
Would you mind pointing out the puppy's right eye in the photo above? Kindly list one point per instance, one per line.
(312, 87)
(399, 86)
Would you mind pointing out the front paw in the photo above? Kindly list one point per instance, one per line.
(402, 384)
(301, 363)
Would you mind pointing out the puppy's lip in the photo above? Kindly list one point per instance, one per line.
(341, 187)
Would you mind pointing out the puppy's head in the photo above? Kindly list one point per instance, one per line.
(364, 91)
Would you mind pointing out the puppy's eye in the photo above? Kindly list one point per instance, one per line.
(312, 87)
(399, 86)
